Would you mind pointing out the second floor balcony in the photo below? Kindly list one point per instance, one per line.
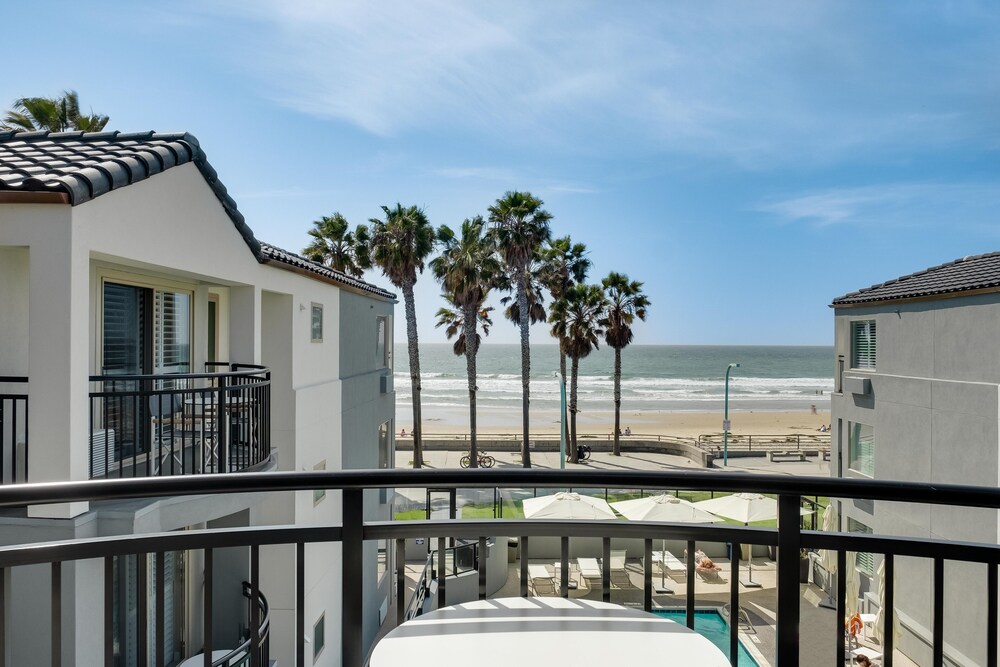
(180, 424)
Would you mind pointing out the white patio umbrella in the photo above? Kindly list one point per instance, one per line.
(565, 505)
(853, 585)
(828, 557)
(665, 508)
(878, 632)
(746, 508)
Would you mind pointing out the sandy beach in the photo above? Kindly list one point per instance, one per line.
(687, 424)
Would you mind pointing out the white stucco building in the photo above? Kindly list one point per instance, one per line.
(917, 398)
(145, 331)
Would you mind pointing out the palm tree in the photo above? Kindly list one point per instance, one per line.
(578, 316)
(399, 245)
(563, 263)
(55, 114)
(334, 246)
(520, 227)
(625, 303)
(467, 267)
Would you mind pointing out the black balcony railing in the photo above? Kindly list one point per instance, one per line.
(13, 430)
(180, 423)
(789, 538)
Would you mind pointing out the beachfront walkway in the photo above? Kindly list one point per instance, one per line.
(627, 461)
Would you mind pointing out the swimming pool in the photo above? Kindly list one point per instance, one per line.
(710, 624)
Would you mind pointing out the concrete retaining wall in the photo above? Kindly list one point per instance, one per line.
(689, 451)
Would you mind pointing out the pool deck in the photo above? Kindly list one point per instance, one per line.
(818, 625)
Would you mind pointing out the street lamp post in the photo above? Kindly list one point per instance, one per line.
(725, 419)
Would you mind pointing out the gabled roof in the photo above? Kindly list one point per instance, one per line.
(975, 272)
(84, 165)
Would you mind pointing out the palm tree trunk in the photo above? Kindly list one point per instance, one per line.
(469, 327)
(574, 451)
(522, 304)
(618, 401)
(411, 340)
(562, 372)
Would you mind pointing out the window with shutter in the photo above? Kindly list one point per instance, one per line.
(865, 561)
(863, 344)
(861, 449)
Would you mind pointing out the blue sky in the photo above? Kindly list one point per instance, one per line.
(749, 161)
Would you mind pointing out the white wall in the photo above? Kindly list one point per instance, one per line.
(14, 309)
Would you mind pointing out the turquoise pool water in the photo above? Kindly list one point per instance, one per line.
(711, 625)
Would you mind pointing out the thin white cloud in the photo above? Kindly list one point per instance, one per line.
(953, 205)
(755, 83)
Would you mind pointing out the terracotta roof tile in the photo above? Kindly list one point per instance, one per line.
(86, 165)
(962, 275)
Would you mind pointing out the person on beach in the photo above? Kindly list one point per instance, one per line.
(628, 431)
(402, 433)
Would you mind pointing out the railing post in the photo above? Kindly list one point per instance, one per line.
(481, 564)
(889, 570)
(207, 612)
(789, 543)
(300, 604)
(522, 544)
(400, 581)
(606, 569)
(734, 604)
(222, 423)
(160, 568)
(57, 614)
(442, 572)
(352, 572)
(254, 609)
(690, 597)
(647, 574)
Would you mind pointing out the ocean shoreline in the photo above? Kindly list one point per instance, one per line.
(685, 424)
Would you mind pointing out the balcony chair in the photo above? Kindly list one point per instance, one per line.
(171, 432)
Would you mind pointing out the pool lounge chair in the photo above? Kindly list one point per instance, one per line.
(590, 570)
(619, 575)
(673, 566)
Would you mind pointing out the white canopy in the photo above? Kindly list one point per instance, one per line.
(830, 525)
(663, 507)
(567, 506)
(743, 507)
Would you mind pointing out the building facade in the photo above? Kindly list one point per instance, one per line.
(917, 399)
(147, 332)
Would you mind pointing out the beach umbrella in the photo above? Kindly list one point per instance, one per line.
(665, 508)
(746, 508)
(828, 557)
(564, 505)
(878, 632)
(853, 586)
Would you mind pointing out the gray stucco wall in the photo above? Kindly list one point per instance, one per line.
(934, 402)
(364, 408)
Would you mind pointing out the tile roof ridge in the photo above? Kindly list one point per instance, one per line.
(916, 274)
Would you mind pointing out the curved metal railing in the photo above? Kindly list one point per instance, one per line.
(789, 537)
(180, 423)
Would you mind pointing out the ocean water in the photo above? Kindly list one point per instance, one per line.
(654, 377)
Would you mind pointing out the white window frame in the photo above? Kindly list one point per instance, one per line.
(313, 309)
(865, 562)
(318, 646)
(109, 275)
(319, 494)
(385, 360)
(855, 462)
(864, 359)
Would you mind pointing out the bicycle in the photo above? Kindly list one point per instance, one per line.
(583, 452)
(485, 460)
